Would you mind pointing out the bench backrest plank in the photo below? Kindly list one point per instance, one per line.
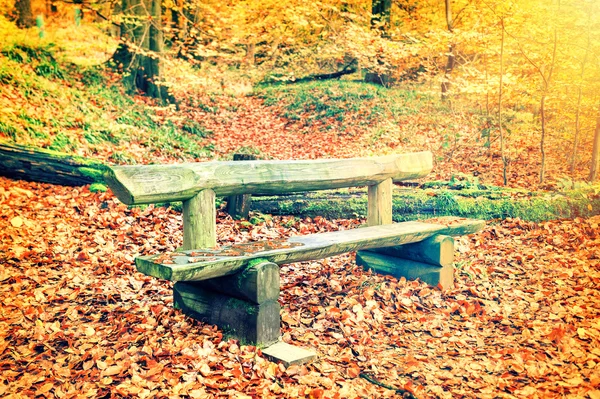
(146, 184)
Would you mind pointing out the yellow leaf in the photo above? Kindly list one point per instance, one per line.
(205, 370)
(594, 394)
(16, 221)
(44, 388)
(112, 370)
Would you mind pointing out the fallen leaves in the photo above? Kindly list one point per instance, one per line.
(77, 319)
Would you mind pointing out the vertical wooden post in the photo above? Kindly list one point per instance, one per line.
(379, 210)
(200, 221)
(238, 206)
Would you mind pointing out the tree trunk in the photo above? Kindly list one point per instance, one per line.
(450, 63)
(380, 15)
(501, 131)
(36, 164)
(380, 21)
(24, 15)
(547, 82)
(416, 204)
(596, 151)
(138, 54)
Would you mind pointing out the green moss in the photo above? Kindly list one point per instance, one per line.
(62, 142)
(418, 204)
(95, 173)
(98, 187)
(247, 307)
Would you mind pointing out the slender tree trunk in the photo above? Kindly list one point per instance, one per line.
(24, 15)
(450, 63)
(596, 151)
(543, 138)
(543, 108)
(579, 95)
(502, 153)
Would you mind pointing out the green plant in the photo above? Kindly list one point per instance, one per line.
(62, 142)
(259, 218)
(460, 181)
(193, 127)
(122, 158)
(92, 77)
(10, 130)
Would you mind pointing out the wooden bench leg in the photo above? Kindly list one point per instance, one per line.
(379, 207)
(200, 221)
(244, 304)
(429, 260)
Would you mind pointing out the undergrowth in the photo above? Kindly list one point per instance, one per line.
(345, 101)
(52, 103)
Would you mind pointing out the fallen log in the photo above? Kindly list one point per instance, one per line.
(46, 166)
(325, 76)
(411, 204)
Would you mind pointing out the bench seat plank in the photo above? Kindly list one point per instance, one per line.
(202, 264)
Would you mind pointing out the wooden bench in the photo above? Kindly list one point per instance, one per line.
(236, 287)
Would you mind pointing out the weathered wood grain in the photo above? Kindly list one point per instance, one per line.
(199, 221)
(411, 270)
(250, 323)
(257, 284)
(379, 208)
(315, 246)
(437, 250)
(145, 184)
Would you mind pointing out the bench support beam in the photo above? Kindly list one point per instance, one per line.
(200, 221)
(436, 276)
(429, 260)
(244, 305)
(437, 250)
(379, 209)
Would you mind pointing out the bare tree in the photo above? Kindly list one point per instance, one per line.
(596, 151)
(451, 61)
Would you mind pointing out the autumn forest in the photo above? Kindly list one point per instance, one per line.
(420, 178)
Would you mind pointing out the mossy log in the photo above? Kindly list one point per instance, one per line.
(411, 204)
(46, 166)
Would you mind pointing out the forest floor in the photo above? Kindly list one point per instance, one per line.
(77, 320)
